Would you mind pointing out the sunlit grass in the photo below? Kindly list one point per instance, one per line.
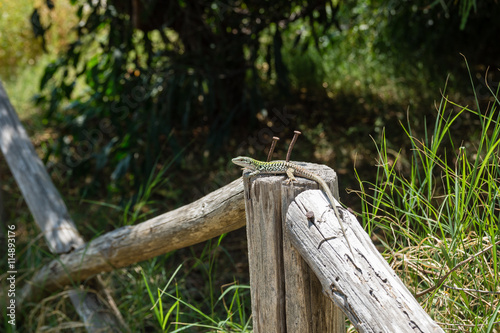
(175, 313)
(22, 57)
(436, 213)
(23, 87)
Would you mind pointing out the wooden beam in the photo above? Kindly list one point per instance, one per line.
(43, 199)
(368, 291)
(50, 212)
(286, 295)
(218, 212)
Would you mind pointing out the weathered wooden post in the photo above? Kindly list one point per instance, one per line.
(286, 295)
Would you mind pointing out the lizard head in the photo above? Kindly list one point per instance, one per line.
(245, 162)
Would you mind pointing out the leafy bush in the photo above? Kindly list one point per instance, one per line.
(158, 76)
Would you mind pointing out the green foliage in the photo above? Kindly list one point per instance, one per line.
(138, 207)
(430, 36)
(158, 304)
(17, 45)
(22, 59)
(143, 80)
(23, 30)
(154, 78)
(464, 9)
(438, 213)
(397, 50)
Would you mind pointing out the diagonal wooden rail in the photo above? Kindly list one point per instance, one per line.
(51, 215)
(368, 291)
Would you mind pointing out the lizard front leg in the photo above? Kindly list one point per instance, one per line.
(253, 173)
(291, 177)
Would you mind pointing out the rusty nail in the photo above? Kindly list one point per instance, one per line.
(295, 136)
(271, 150)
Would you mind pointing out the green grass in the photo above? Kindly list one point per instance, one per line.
(225, 314)
(22, 89)
(435, 209)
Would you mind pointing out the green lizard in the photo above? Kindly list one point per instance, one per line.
(290, 169)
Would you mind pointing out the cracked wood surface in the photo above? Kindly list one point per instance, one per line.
(367, 290)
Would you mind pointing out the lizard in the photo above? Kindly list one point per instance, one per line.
(290, 169)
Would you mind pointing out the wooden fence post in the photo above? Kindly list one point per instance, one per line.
(286, 295)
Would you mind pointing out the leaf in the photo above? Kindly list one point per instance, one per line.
(48, 74)
(121, 168)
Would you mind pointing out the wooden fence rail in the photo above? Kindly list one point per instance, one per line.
(51, 215)
(218, 212)
(368, 291)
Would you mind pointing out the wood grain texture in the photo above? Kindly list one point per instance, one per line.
(367, 290)
(52, 217)
(218, 212)
(265, 258)
(286, 295)
(42, 197)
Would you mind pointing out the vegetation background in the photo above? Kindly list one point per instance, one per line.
(399, 97)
